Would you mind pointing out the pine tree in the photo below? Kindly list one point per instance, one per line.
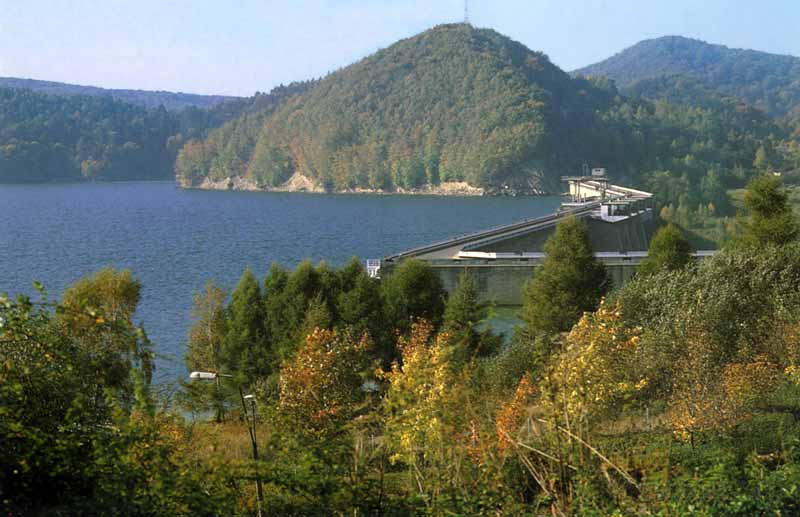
(245, 351)
(413, 291)
(569, 282)
(770, 220)
(668, 250)
(359, 304)
(318, 316)
(463, 315)
(274, 302)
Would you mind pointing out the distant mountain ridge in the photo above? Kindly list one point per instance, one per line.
(770, 82)
(172, 101)
(51, 137)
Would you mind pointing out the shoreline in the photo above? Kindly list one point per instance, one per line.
(301, 184)
(445, 189)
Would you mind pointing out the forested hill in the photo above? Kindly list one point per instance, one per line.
(454, 103)
(78, 137)
(769, 82)
(148, 99)
(457, 103)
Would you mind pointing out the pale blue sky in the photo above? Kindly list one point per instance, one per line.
(239, 46)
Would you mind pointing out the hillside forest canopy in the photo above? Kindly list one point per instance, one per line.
(457, 103)
(45, 137)
(452, 104)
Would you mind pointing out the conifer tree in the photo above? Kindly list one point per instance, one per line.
(359, 304)
(770, 219)
(245, 351)
(318, 316)
(413, 291)
(569, 282)
(463, 314)
(274, 303)
(668, 250)
(761, 163)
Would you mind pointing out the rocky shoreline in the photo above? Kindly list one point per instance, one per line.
(301, 183)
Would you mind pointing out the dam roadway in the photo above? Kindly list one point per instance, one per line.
(502, 259)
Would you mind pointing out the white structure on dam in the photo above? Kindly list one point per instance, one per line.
(503, 259)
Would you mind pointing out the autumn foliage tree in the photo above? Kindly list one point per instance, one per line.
(321, 388)
(596, 371)
(424, 408)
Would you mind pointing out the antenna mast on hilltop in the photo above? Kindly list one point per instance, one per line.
(466, 12)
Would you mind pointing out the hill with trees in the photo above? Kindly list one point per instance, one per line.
(454, 107)
(451, 104)
(78, 137)
(769, 82)
(172, 101)
(461, 104)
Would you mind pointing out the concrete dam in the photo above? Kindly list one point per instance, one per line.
(503, 259)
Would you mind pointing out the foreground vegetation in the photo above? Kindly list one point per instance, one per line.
(675, 394)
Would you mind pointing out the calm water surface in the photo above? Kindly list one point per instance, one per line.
(175, 240)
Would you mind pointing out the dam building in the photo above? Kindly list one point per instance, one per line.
(503, 259)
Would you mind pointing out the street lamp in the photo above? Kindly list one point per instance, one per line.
(213, 376)
(207, 375)
(251, 427)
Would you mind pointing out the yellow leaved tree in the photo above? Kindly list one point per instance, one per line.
(595, 372)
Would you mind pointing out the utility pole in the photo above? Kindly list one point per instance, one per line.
(466, 12)
(254, 443)
(251, 428)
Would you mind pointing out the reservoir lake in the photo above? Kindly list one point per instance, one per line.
(176, 240)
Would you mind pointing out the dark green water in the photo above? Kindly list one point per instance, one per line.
(175, 240)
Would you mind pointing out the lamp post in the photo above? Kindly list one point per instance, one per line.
(251, 428)
(215, 377)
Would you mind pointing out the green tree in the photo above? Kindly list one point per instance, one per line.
(413, 291)
(302, 286)
(245, 351)
(360, 307)
(203, 353)
(96, 311)
(274, 303)
(464, 314)
(73, 442)
(668, 250)
(769, 215)
(761, 162)
(317, 316)
(569, 282)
